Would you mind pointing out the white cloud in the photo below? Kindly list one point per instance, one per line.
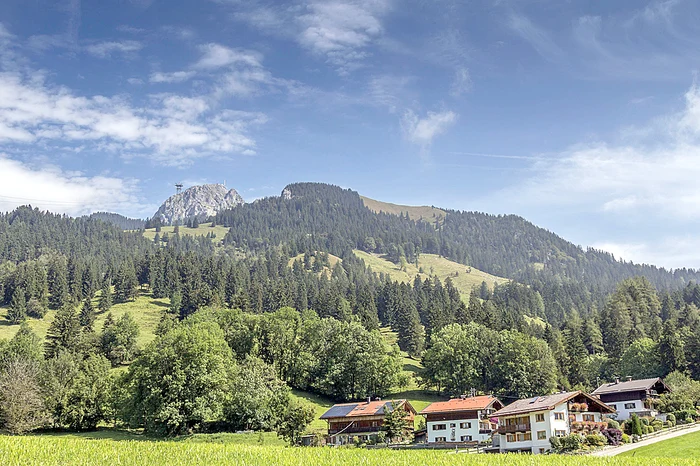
(422, 131)
(669, 252)
(108, 49)
(170, 130)
(462, 82)
(339, 31)
(219, 56)
(537, 37)
(652, 171)
(50, 188)
(342, 30)
(173, 77)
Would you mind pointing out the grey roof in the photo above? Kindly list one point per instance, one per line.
(545, 403)
(628, 386)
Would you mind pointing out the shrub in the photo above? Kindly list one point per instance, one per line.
(626, 438)
(596, 440)
(645, 421)
(613, 424)
(571, 442)
(637, 427)
(671, 419)
(648, 429)
(555, 442)
(613, 436)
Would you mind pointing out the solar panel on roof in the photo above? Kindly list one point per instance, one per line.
(338, 411)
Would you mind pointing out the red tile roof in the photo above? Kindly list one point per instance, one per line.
(471, 403)
(372, 408)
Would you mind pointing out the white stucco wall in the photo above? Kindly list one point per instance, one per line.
(625, 413)
(458, 431)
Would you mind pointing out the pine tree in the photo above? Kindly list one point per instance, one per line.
(58, 283)
(105, 303)
(87, 314)
(125, 284)
(18, 308)
(64, 332)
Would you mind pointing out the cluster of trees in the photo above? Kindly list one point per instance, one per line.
(188, 379)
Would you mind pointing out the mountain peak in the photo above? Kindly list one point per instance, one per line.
(198, 201)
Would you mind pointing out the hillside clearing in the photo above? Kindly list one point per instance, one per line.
(428, 213)
(203, 230)
(464, 278)
(145, 310)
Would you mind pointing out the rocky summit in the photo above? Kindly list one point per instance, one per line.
(198, 201)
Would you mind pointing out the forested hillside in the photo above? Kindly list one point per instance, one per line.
(266, 310)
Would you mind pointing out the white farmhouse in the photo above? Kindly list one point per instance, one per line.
(466, 419)
(527, 425)
(632, 396)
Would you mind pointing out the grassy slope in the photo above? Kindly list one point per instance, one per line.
(331, 258)
(427, 213)
(435, 265)
(145, 310)
(47, 450)
(685, 446)
(203, 230)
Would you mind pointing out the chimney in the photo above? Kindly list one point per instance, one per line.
(462, 397)
(629, 378)
(377, 399)
(369, 399)
(617, 380)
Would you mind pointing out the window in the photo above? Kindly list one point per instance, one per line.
(539, 417)
(465, 425)
(466, 438)
(452, 424)
(558, 416)
(374, 423)
(524, 437)
(588, 418)
(439, 427)
(510, 437)
(559, 433)
(630, 405)
(441, 439)
(541, 435)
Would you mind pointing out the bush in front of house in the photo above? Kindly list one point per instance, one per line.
(568, 443)
(613, 424)
(626, 438)
(685, 416)
(671, 419)
(597, 440)
(613, 436)
(657, 424)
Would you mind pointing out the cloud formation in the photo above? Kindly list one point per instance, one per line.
(112, 48)
(51, 188)
(422, 131)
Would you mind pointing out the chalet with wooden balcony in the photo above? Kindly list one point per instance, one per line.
(348, 422)
(632, 396)
(527, 425)
(467, 419)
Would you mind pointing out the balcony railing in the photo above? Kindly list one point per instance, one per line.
(354, 430)
(513, 428)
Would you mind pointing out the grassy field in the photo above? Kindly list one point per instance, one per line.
(145, 310)
(203, 230)
(427, 213)
(63, 450)
(331, 259)
(432, 264)
(685, 446)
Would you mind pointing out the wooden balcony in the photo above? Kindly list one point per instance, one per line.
(514, 428)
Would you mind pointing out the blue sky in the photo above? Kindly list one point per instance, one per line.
(583, 117)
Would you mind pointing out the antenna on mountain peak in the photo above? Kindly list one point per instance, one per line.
(178, 187)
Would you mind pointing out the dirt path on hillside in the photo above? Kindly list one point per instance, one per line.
(613, 451)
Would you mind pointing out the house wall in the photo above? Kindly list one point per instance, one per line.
(624, 413)
(550, 426)
(453, 432)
